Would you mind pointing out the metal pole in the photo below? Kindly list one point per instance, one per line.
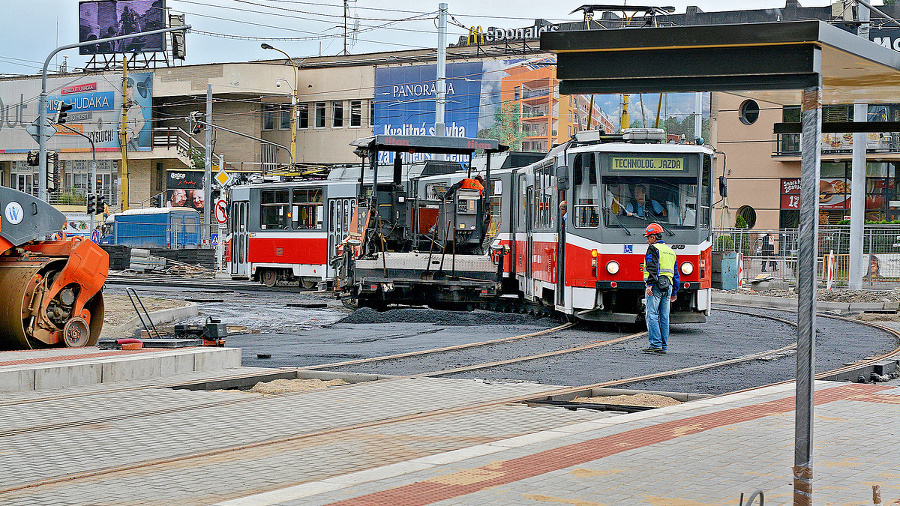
(294, 91)
(698, 116)
(857, 199)
(441, 80)
(858, 177)
(810, 158)
(93, 164)
(124, 136)
(42, 112)
(207, 167)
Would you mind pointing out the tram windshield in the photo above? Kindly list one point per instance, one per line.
(635, 201)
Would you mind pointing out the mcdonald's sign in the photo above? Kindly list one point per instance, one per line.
(476, 35)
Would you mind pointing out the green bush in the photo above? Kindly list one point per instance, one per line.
(878, 222)
(71, 197)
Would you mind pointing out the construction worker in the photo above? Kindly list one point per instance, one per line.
(661, 278)
(469, 183)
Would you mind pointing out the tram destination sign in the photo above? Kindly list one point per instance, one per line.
(647, 163)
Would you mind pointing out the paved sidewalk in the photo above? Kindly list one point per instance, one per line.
(406, 441)
(702, 452)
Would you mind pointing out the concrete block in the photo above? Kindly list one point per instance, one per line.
(131, 368)
(215, 359)
(16, 380)
(178, 363)
(57, 376)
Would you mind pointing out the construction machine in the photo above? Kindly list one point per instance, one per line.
(51, 284)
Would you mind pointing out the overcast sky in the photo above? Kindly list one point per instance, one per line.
(232, 30)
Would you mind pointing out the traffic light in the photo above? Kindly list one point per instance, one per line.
(197, 123)
(33, 158)
(177, 36)
(61, 113)
(92, 204)
(101, 204)
(52, 170)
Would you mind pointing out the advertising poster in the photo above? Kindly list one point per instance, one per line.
(96, 112)
(405, 102)
(185, 189)
(104, 19)
(79, 224)
(515, 101)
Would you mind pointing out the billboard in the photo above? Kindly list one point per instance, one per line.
(513, 100)
(185, 189)
(110, 18)
(405, 101)
(96, 112)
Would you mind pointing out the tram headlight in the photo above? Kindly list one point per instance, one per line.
(687, 268)
(612, 267)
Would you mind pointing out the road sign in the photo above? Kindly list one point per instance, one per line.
(32, 129)
(221, 214)
(222, 177)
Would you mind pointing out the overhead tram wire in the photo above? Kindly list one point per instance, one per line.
(419, 17)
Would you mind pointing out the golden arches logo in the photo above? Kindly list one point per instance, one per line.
(476, 35)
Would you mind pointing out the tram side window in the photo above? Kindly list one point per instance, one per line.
(273, 209)
(307, 209)
(705, 192)
(544, 213)
(586, 208)
(496, 204)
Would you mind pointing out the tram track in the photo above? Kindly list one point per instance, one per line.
(213, 453)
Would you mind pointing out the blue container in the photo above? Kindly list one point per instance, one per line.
(174, 228)
(730, 271)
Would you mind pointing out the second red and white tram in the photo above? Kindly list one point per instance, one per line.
(288, 231)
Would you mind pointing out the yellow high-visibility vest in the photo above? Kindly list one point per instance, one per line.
(667, 259)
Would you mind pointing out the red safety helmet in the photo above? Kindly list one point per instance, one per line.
(653, 229)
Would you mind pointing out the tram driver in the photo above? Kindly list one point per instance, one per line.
(643, 207)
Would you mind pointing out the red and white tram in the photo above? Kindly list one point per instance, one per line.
(589, 264)
(288, 230)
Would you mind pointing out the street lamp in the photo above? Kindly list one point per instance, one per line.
(293, 101)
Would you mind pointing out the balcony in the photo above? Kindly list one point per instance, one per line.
(788, 145)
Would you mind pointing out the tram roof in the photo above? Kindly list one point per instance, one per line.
(772, 62)
(429, 144)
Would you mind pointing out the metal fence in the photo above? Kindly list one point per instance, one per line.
(774, 252)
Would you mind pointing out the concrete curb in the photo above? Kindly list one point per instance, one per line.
(791, 304)
(157, 317)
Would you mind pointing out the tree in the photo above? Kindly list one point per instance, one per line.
(507, 127)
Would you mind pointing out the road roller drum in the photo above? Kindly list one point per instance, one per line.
(51, 289)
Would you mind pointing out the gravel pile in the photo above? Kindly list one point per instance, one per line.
(651, 400)
(283, 386)
(858, 296)
(438, 317)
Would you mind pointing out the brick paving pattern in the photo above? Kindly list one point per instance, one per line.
(139, 443)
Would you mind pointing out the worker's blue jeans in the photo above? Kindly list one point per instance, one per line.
(658, 317)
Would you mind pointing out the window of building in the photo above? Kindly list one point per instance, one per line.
(285, 118)
(371, 112)
(748, 214)
(303, 116)
(306, 209)
(320, 114)
(274, 205)
(749, 112)
(337, 114)
(268, 117)
(355, 113)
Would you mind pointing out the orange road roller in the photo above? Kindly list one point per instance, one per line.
(51, 289)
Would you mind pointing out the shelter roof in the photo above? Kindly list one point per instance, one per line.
(772, 62)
